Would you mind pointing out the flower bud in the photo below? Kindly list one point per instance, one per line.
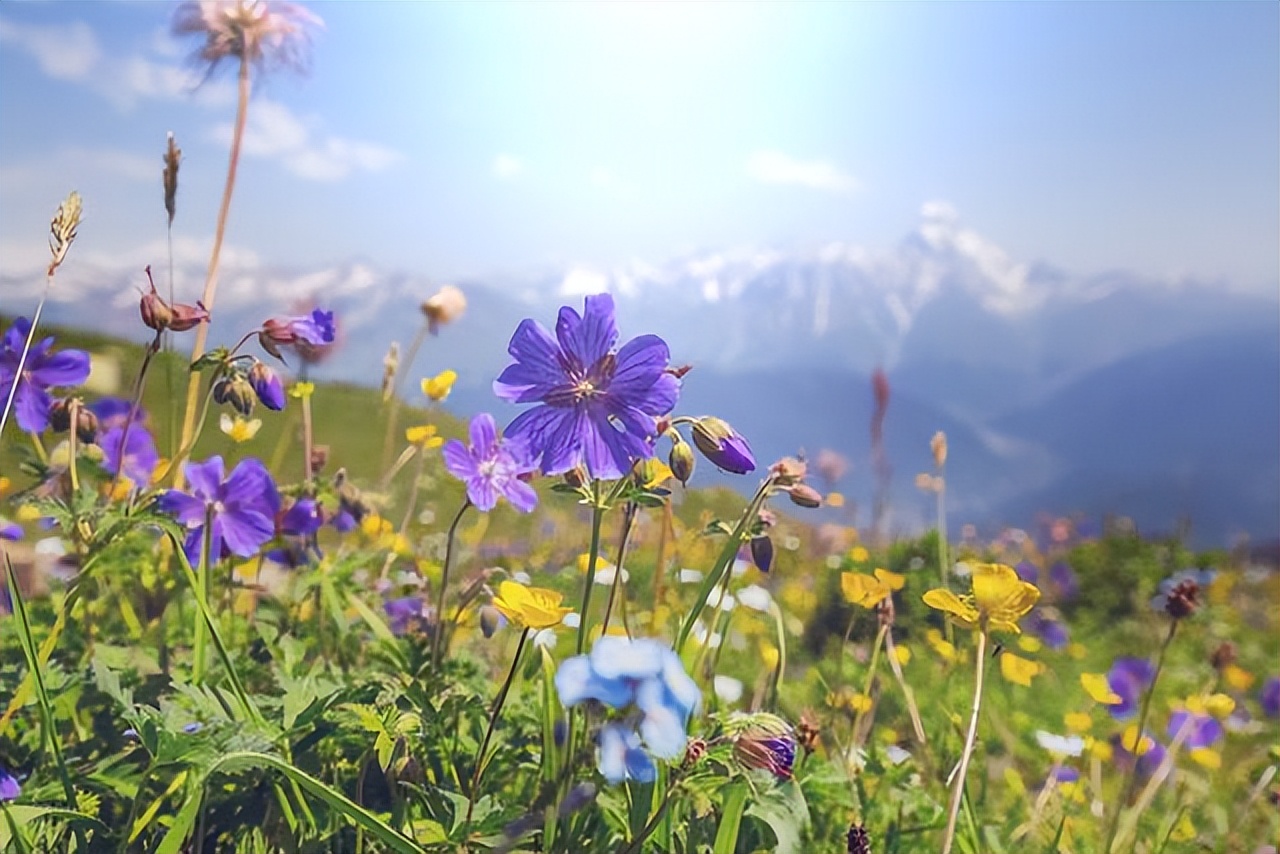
(236, 391)
(762, 552)
(491, 620)
(681, 460)
(319, 458)
(938, 444)
(803, 495)
(723, 445)
(187, 316)
(788, 471)
(156, 314)
(267, 386)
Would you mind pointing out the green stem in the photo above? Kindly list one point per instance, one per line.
(735, 805)
(202, 594)
(628, 519)
(138, 385)
(437, 636)
(488, 733)
(635, 846)
(597, 518)
(957, 793)
(855, 736)
(393, 406)
(1131, 781)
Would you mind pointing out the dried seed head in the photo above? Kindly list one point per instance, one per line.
(268, 33)
(1183, 599)
(859, 839)
(444, 306)
(390, 365)
(62, 230)
(939, 447)
(788, 471)
(808, 731)
(172, 156)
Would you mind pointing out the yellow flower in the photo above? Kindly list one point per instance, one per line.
(769, 656)
(1078, 721)
(860, 703)
(1014, 781)
(893, 580)
(1183, 830)
(1099, 689)
(1130, 738)
(858, 554)
(374, 526)
(835, 499)
(1019, 670)
(531, 607)
(424, 436)
(438, 387)
(5, 483)
(302, 390)
(1207, 757)
(653, 472)
(238, 429)
(28, 513)
(903, 654)
(1237, 677)
(999, 599)
(1029, 643)
(944, 648)
(1099, 748)
(1076, 650)
(863, 590)
(1219, 705)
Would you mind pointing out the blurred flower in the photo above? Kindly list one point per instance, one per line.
(1019, 670)
(1201, 729)
(621, 756)
(938, 445)
(302, 390)
(596, 406)
(1270, 697)
(1149, 754)
(755, 597)
(9, 530)
(239, 429)
(858, 554)
(138, 456)
(998, 601)
(405, 613)
(1179, 595)
(315, 329)
(1237, 678)
(240, 509)
(531, 607)
(761, 548)
(268, 33)
(41, 371)
(834, 499)
(437, 388)
(491, 467)
(443, 307)
(1098, 687)
(723, 446)
(1064, 579)
(9, 787)
(620, 672)
(1027, 571)
(944, 648)
(1078, 721)
(866, 591)
(424, 436)
(831, 465)
(1052, 632)
(1128, 678)
(1060, 745)
(727, 688)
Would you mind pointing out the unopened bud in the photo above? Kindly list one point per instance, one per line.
(762, 552)
(156, 314)
(681, 460)
(490, 620)
(788, 471)
(319, 458)
(723, 445)
(236, 391)
(575, 477)
(803, 495)
(267, 386)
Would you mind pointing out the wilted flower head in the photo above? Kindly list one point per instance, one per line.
(788, 471)
(999, 599)
(597, 406)
(1180, 594)
(764, 741)
(443, 307)
(262, 32)
(41, 371)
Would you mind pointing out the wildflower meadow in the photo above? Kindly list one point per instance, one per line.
(248, 611)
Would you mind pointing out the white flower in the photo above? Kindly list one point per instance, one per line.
(700, 634)
(545, 638)
(962, 569)
(1060, 745)
(740, 568)
(755, 597)
(728, 689)
(572, 619)
(690, 576)
(896, 754)
(605, 574)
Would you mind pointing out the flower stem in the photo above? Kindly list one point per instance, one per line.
(393, 405)
(597, 518)
(444, 583)
(202, 591)
(628, 519)
(856, 736)
(635, 846)
(138, 385)
(211, 277)
(22, 360)
(957, 793)
(1131, 777)
(307, 474)
(488, 733)
(944, 561)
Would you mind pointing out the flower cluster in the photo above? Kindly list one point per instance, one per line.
(646, 675)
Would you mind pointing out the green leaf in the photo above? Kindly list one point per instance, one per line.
(22, 815)
(783, 808)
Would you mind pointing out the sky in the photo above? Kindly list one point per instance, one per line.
(450, 140)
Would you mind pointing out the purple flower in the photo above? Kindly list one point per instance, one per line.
(621, 756)
(114, 412)
(139, 456)
(1061, 576)
(1052, 632)
(242, 508)
(41, 371)
(1062, 774)
(316, 329)
(725, 447)
(1148, 762)
(1027, 571)
(597, 406)
(9, 787)
(10, 530)
(404, 613)
(1202, 730)
(302, 519)
(1270, 697)
(267, 386)
(1128, 677)
(491, 467)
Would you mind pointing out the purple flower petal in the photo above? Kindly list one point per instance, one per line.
(70, 367)
(522, 496)
(484, 436)
(32, 405)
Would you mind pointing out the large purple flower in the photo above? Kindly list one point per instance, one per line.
(242, 508)
(41, 371)
(491, 467)
(598, 405)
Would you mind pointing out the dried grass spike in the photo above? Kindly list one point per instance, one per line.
(62, 230)
(172, 157)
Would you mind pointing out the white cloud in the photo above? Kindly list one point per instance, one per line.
(63, 51)
(581, 281)
(274, 131)
(75, 161)
(774, 167)
(507, 166)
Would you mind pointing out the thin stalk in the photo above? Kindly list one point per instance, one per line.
(22, 360)
(855, 735)
(72, 440)
(488, 733)
(393, 405)
(307, 474)
(637, 844)
(628, 519)
(597, 518)
(211, 276)
(953, 811)
(444, 583)
(1131, 780)
(139, 384)
(944, 561)
(1158, 777)
(202, 594)
(916, 725)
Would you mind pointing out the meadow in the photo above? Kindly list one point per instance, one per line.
(250, 612)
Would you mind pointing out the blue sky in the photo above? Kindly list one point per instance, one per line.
(465, 139)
